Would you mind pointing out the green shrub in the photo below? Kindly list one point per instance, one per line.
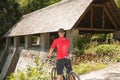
(83, 68)
(36, 61)
(106, 49)
(117, 59)
(98, 36)
(108, 53)
(33, 73)
(117, 3)
(118, 54)
(82, 44)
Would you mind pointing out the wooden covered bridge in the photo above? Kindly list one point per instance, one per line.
(75, 16)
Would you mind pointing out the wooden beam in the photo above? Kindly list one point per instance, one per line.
(82, 16)
(91, 17)
(96, 29)
(16, 41)
(103, 18)
(107, 12)
(112, 13)
(97, 5)
(8, 41)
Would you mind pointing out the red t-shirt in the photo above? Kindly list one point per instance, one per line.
(62, 45)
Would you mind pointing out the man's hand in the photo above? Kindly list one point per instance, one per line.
(50, 53)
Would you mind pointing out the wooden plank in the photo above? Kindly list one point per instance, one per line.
(112, 13)
(103, 18)
(107, 12)
(97, 5)
(95, 29)
(91, 17)
(14, 61)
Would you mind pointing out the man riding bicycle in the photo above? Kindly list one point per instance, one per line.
(62, 44)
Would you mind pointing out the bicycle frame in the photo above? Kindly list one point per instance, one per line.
(66, 75)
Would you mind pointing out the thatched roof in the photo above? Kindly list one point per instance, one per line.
(63, 14)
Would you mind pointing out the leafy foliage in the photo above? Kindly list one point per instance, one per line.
(117, 59)
(82, 44)
(117, 3)
(108, 53)
(106, 49)
(105, 53)
(9, 14)
(37, 60)
(33, 72)
(27, 6)
(99, 36)
(12, 10)
(83, 68)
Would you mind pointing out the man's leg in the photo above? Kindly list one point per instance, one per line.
(59, 77)
(68, 65)
(60, 67)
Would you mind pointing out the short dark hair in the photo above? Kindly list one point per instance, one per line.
(61, 30)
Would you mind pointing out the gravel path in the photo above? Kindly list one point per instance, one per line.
(110, 73)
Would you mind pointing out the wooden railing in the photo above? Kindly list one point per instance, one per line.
(9, 61)
(2, 47)
(14, 62)
(3, 57)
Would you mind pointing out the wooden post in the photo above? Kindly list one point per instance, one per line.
(16, 41)
(45, 41)
(8, 41)
(72, 35)
(111, 19)
(38, 40)
(116, 36)
(91, 17)
(28, 41)
(42, 42)
(103, 19)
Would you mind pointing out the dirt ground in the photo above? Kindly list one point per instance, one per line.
(112, 72)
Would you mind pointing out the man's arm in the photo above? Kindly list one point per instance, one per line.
(50, 52)
(51, 49)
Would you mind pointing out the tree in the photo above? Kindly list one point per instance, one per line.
(12, 10)
(9, 15)
(27, 6)
(117, 3)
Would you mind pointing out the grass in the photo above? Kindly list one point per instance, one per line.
(86, 67)
(90, 50)
(83, 68)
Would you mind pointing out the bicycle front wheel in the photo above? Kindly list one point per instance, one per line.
(73, 76)
(54, 74)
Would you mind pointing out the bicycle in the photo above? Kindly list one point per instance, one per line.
(66, 76)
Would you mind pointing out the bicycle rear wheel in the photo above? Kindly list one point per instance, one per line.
(54, 74)
(73, 76)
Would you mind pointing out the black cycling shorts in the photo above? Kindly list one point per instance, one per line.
(61, 63)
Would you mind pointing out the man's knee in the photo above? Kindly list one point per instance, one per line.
(59, 77)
